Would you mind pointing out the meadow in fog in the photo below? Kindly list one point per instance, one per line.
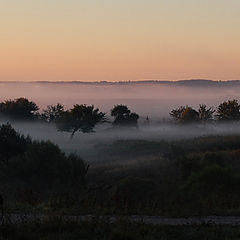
(147, 99)
(86, 144)
(183, 160)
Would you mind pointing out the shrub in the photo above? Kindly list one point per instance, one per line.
(20, 109)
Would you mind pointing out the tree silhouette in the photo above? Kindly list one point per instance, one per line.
(124, 117)
(205, 114)
(20, 108)
(189, 115)
(52, 113)
(177, 113)
(184, 114)
(228, 110)
(80, 118)
(11, 143)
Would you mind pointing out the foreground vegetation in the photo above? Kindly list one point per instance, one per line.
(187, 177)
(192, 177)
(57, 228)
(183, 178)
(32, 172)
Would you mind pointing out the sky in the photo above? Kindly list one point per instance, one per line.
(115, 40)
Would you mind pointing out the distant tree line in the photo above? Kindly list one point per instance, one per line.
(226, 111)
(84, 118)
(81, 118)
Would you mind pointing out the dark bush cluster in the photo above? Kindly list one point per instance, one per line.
(226, 111)
(19, 109)
(81, 118)
(188, 177)
(124, 117)
(37, 168)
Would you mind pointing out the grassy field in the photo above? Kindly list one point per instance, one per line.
(188, 177)
(57, 228)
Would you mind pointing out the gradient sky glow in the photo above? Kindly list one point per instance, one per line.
(93, 40)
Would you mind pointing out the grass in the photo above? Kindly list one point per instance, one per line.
(57, 228)
(190, 177)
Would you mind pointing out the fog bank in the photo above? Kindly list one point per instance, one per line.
(154, 100)
(90, 145)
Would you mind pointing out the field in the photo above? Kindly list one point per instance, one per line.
(56, 228)
(189, 177)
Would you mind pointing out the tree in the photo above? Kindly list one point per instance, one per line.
(184, 114)
(124, 117)
(80, 118)
(228, 110)
(11, 143)
(52, 113)
(205, 114)
(189, 115)
(20, 108)
(56, 171)
(177, 113)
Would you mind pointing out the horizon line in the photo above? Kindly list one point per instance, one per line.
(123, 81)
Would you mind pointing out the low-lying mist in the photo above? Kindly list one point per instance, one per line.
(91, 145)
(146, 99)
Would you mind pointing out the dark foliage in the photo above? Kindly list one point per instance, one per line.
(52, 113)
(186, 114)
(18, 109)
(124, 117)
(190, 177)
(177, 113)
(189, 115)
(11, 143)
(45, 169)
(37, 169)
(80, 118)
(228, 111)
(205, 114)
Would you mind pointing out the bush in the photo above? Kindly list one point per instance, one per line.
(124, 117)
(20, 109)
(11, 143)
(38, 167)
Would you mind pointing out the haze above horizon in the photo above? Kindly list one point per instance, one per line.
(58, 40)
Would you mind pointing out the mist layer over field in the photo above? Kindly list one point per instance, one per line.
(158, 167)
(94, 147)
(147, 99)
(154, 100)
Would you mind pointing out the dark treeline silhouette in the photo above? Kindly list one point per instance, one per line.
(186, 114)
(19, 109)
(84, 118)
(81, 118)
(226, 111)
(123, 116)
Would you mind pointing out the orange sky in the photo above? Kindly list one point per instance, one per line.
(119, 40)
